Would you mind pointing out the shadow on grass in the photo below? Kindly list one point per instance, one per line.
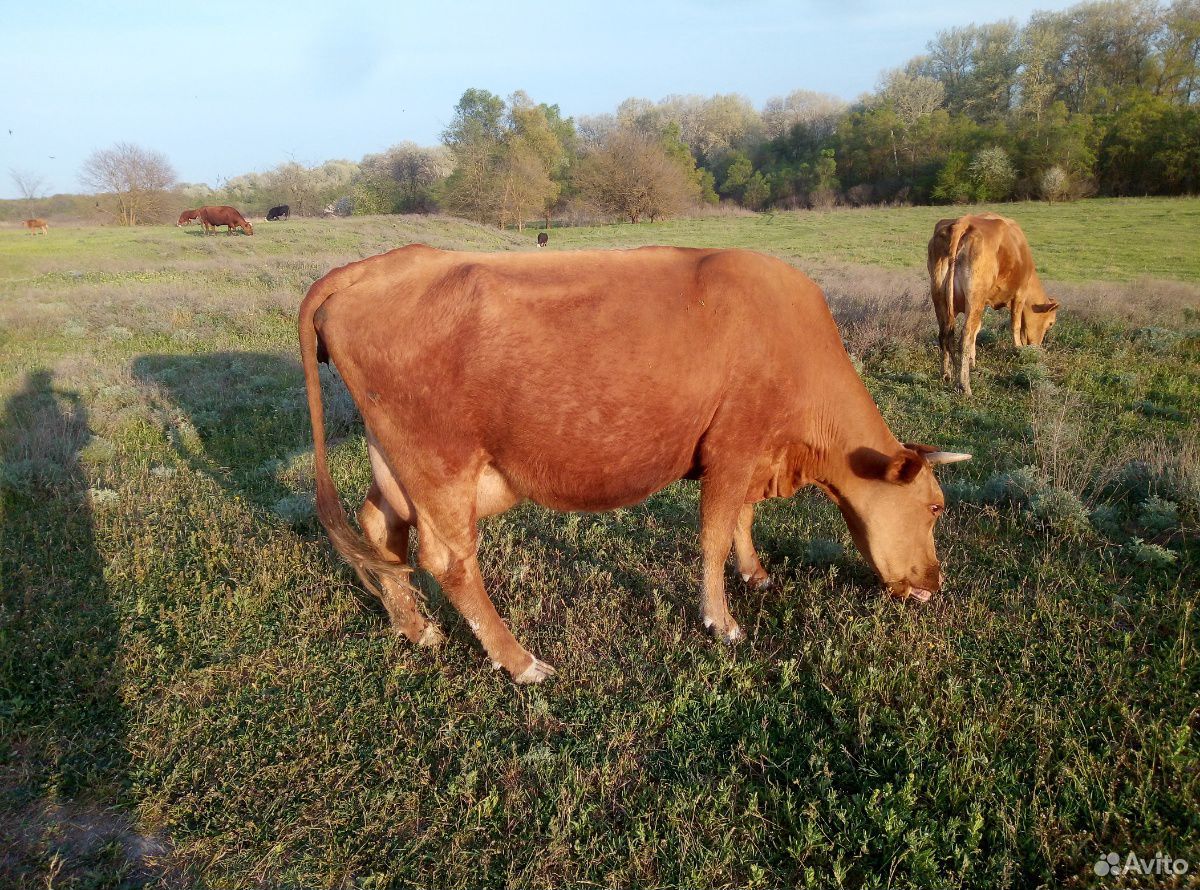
(64, 763)
(237, 412)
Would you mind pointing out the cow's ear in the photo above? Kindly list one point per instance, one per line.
(1046, 307)
(903, 467)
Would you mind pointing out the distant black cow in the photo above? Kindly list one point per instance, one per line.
(280, 212)
(542, 239)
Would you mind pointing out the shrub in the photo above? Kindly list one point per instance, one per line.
(1158, 515)
(1152, 555)
(296, 507)
(1055, 184)
(1018, 487)
(1060, 509)
(1160, 341)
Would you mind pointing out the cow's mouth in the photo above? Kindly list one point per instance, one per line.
(902, 590)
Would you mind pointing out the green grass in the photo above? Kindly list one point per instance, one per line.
(194, 691)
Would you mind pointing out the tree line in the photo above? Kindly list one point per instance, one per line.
(1102, 98)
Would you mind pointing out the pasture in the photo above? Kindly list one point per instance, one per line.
(194, 691)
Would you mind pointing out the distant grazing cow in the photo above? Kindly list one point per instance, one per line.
(980, 261)
(542, 239)
(36, 225)
(588, 381)
(280, 212)
(211, 217)
(188, 216)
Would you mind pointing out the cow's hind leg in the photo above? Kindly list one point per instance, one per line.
(448, 551)
(946, 344)
(749, 566)
(966, 346)
(389, 533)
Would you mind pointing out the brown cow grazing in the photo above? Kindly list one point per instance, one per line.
(543, 239)
(36, 225)
(589, 381)
(224, 215)
(188, 216)
(980, 261)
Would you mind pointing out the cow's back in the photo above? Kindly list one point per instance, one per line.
(605, 365)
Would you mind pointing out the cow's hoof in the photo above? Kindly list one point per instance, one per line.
(757, 580)
(731, 634)
(431, 637)
(537, 672)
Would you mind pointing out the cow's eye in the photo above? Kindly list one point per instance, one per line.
(936, 510)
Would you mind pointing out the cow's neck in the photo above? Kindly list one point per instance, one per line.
(843, 424)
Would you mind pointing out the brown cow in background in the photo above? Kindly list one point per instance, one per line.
(224, 215)
(188, 216)
(980, 261)
(34, 225)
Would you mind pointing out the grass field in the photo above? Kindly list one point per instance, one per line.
(195, 692)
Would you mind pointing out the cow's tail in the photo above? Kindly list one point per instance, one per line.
(957, 231)
(372, 569)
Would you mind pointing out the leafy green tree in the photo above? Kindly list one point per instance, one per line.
(1152, 146)
(737, 175)
(954, 181)
(756, 192)
(506, 158)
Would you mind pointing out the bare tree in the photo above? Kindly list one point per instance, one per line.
(30, 185)
(634, 176)
(137, 178)
(818, 111)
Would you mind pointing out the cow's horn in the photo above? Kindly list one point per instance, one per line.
(946, 457)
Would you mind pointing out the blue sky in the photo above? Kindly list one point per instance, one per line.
(226, 88)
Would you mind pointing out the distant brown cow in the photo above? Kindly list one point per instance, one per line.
(589, 381)
(224, 215)
(980, 261)
(543, 239)
(188, 216)
(34, 225)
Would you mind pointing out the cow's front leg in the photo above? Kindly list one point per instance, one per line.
(1017, 324)
(748, 564)
(720, 507)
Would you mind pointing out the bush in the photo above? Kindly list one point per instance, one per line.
(1018, 487)
(1152, 555)
(1061, 509)
(1158, 515)
(1055, 184)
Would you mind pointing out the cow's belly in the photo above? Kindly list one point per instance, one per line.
(597, 475)
(592, 458)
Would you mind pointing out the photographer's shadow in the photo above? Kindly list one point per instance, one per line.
(64, 778)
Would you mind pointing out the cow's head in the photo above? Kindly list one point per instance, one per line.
(186, 217)
(891, 503)
(247, 228)
(1036, 319)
